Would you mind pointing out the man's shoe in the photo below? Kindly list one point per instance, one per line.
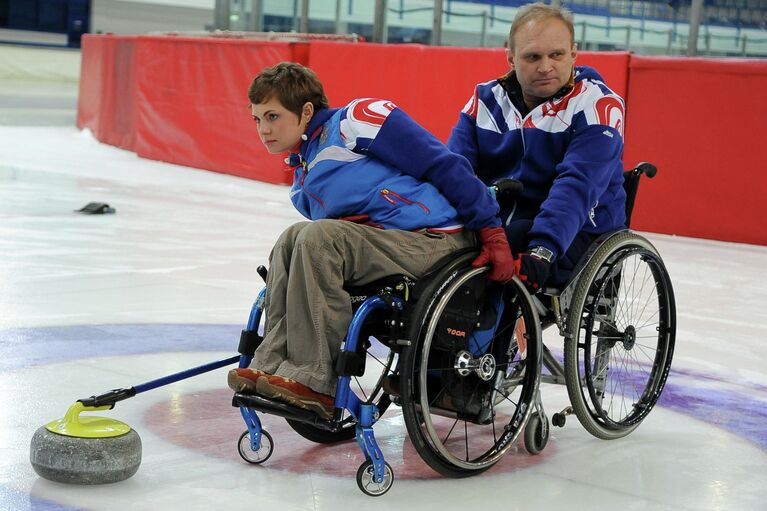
(296, 394)
(243, 379)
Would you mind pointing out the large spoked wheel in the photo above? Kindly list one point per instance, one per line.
(369, 387)
(621, 332)
(471, 374)
(259, 456)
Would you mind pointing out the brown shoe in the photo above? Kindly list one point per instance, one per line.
(244, 379)
(296, 394)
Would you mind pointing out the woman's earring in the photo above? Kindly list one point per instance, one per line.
(304, 137)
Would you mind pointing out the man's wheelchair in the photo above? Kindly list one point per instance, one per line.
(463, 358)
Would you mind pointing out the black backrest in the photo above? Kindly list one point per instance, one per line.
(631, 185)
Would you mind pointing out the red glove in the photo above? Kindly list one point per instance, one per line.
(495, 251)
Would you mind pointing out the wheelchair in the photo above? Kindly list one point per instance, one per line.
(463, 357)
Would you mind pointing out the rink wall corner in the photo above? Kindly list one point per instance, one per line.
(183, 100)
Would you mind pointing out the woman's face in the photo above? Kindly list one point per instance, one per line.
(279, 128)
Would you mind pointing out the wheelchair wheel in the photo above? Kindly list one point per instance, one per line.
(366, 479)
(471, 374)
(259, 456)
(370, 390)
(621, 331)
(536, 433)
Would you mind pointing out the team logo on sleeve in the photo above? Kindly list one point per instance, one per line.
(371, 111)
(609, 110)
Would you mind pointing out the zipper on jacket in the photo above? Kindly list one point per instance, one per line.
(305, 172)
(391, 196)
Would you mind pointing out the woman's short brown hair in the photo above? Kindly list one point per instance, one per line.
(292, 84)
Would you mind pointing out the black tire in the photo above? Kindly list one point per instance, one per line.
(368, 486)
(466, 430)
(536, 433)
(259, 456)
(621, 330)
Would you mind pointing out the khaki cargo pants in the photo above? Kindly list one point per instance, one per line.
(307, 310)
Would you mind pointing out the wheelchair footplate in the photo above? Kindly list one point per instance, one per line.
(281, 409)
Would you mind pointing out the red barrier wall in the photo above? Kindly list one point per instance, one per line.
(184, 101)
(431, 83)
(106, 100)
(180, 100)
(193, 106)
(703, 123)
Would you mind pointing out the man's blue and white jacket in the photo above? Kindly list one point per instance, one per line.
(371, 161)
(566, 151)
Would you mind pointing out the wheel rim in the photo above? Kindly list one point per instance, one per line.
(367, 482)
(626, 332)
(475, 429)
(261, 454)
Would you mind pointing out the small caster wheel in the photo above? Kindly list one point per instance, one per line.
(536, 433)
(259, 456)
(365, 476)
(558, 420)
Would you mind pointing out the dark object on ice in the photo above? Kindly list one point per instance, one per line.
(95, 208)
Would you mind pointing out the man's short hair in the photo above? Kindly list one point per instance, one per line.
(540, 11)
(292, 84)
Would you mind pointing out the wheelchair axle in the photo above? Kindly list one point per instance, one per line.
(484, 366)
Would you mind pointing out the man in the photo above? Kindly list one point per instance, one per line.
(559, 130)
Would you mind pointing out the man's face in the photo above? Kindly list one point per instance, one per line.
(542, 58)
(279, 128)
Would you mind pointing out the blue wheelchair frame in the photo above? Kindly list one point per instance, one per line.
(365, 414)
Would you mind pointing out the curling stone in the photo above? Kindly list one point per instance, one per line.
(85, 450)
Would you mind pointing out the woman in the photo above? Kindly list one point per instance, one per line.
(385, 196)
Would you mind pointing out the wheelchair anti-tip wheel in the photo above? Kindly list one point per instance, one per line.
(366, 479)
(536, 433)
(621, 330)
(471, 374)
(262, 454)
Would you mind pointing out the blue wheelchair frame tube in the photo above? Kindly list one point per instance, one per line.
(366, 414)
(250, 416)
(345, 398)
(253, 320)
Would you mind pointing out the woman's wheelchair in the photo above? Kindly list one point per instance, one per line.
(463, 358)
